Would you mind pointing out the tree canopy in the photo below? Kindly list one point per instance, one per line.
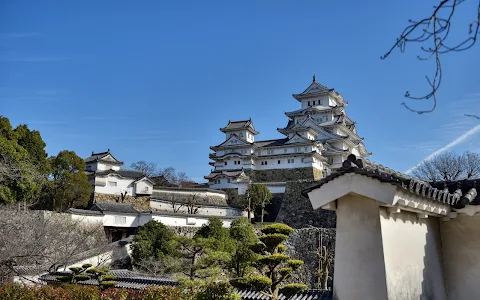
(449, 166)
(23, 163)
(259, 196)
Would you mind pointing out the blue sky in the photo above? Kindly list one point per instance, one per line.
(154, 81)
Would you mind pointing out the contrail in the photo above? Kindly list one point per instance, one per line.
(457, 141)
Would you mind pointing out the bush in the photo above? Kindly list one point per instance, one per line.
(79, 292)
(292, 288)
(163, 292)
(277, 228)
(259, 282)
(217, 291)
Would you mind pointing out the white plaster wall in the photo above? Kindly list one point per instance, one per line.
(122, 185)
(186, 221)
(276, 189)
(413, 259)
(141, 185)
(88, 220)
(359, 266)
(272, 163)
(103, 167)
(200, 194)
(111, 219)
(202, 210)
(461, 254)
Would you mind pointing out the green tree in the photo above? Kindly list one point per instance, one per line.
(243, 234)
(273, 264)
(220, 235)
(199, 261)
(260, 196)
(69, 186)
(22, 163)
(152, 247)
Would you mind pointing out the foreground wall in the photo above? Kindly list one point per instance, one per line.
(412, 253)
(359, 265)
(461, 253)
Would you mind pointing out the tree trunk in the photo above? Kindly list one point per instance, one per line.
(263, 212)
(249, 209)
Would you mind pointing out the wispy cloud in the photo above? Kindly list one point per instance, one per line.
(18, 35)
(34, 58)
(452, 144)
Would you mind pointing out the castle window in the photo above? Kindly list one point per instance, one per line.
(285, 150)
(308, 103)
(229, 180)
(313, 102)
(89, 168)
(278, 162)
(225, 163)
(302, 159)
(112, 183)
(241, 134)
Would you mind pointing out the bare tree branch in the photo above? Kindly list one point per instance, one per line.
(434, 31)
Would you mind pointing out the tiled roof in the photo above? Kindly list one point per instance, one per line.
(467, 187)
(100, 156)
(312, 108)
(304, 295)
(122, 172)
(271, 143)
(384, 174)
(84, 212)
(125, 279)
(114, 207)
(162, 181)
(225, 173)
(237, 125)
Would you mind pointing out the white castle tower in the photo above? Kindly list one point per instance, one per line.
(318, 138)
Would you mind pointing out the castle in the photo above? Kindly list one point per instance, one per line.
(318, 138)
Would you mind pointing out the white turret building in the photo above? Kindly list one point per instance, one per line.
(318, 138)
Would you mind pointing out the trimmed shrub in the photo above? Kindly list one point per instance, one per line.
(292, 288)
(277, 228)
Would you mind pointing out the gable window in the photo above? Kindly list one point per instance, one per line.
(146, 189)
(89, 168)
(112, 183)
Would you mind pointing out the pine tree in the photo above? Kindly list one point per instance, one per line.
(274, 266)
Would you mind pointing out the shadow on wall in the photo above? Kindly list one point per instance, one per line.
(297, 211)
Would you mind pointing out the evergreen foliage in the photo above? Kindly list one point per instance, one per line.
(274, 266)
(259, 197)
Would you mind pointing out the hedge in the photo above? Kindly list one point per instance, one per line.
(79, 292)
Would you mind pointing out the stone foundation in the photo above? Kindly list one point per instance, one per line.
(282, 175)
(297, 212)
(140, 203)
(303, 244)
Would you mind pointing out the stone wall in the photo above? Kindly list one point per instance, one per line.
(140, 203)
(297, 212)
(303, 244)
(282, 175)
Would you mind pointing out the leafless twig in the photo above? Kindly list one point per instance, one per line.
(435, 30)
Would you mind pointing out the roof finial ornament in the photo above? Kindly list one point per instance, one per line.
(314, 78)
(92, 152)
(108, 150)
